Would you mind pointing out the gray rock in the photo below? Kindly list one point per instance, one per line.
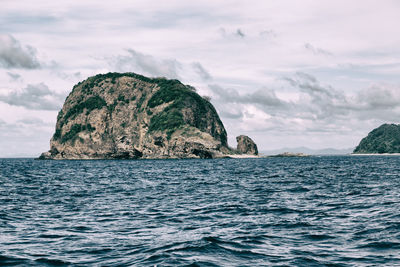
(129, 116)
(246, 146)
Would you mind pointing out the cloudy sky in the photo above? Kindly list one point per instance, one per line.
(287, 73)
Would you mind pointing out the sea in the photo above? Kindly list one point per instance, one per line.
(306, 211)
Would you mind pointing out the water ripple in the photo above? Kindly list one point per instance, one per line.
(317, 211)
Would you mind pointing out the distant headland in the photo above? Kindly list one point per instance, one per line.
(383, 140)
(130, 116)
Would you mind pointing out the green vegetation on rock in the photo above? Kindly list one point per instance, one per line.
(174, 90)
(180, 96)
(140, 102)
(115, 75)
(112, 106)
(72, 134)
(384, 139)
(94, 102)
(57, 134)
(168, 121)
(170, 90)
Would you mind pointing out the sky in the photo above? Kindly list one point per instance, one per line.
(286, 73)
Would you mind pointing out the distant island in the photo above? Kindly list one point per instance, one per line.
(289, 155)
(309, 151)
(130, 116)
(384, 139)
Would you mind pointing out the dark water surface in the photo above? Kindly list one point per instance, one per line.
(317, 211)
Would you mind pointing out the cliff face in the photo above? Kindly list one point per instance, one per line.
(384, 139)
(131, 116)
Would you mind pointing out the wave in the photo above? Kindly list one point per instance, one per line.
(333, 211)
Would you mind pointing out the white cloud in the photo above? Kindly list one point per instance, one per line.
(317, 51)
(201, 71)
(14, 55)
(14, 76)
(34, 96)
(146, 64)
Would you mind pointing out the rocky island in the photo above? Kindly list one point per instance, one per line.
(129, 116)
(384, 139)
(246, 146)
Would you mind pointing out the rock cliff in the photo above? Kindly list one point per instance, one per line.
(246, 146)
(384, 139)
(127, 116)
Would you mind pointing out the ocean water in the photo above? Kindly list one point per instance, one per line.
(316, 211)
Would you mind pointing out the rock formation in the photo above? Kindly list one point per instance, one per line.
(128, 116)
(246, 146)
(384, 139)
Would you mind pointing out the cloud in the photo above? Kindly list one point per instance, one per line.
(14, 76)
(240, 33)
(311, 86)
(146, 64)
(69, 76)
(316, 107)
(229, 113)
(266, 99)
(317, 51)
(376, 97)
(35, 97)
(34, 121)
(326, 103)
(232, 34)
(23, 19)
(268, 33)
(199, 69)
(158, 67)
(317, 101)
(23, 138)
(14, 55)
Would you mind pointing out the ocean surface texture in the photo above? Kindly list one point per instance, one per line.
(316, 211)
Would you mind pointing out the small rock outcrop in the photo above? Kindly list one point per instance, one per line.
(129, 116)
(384, 139)
(246, 146)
